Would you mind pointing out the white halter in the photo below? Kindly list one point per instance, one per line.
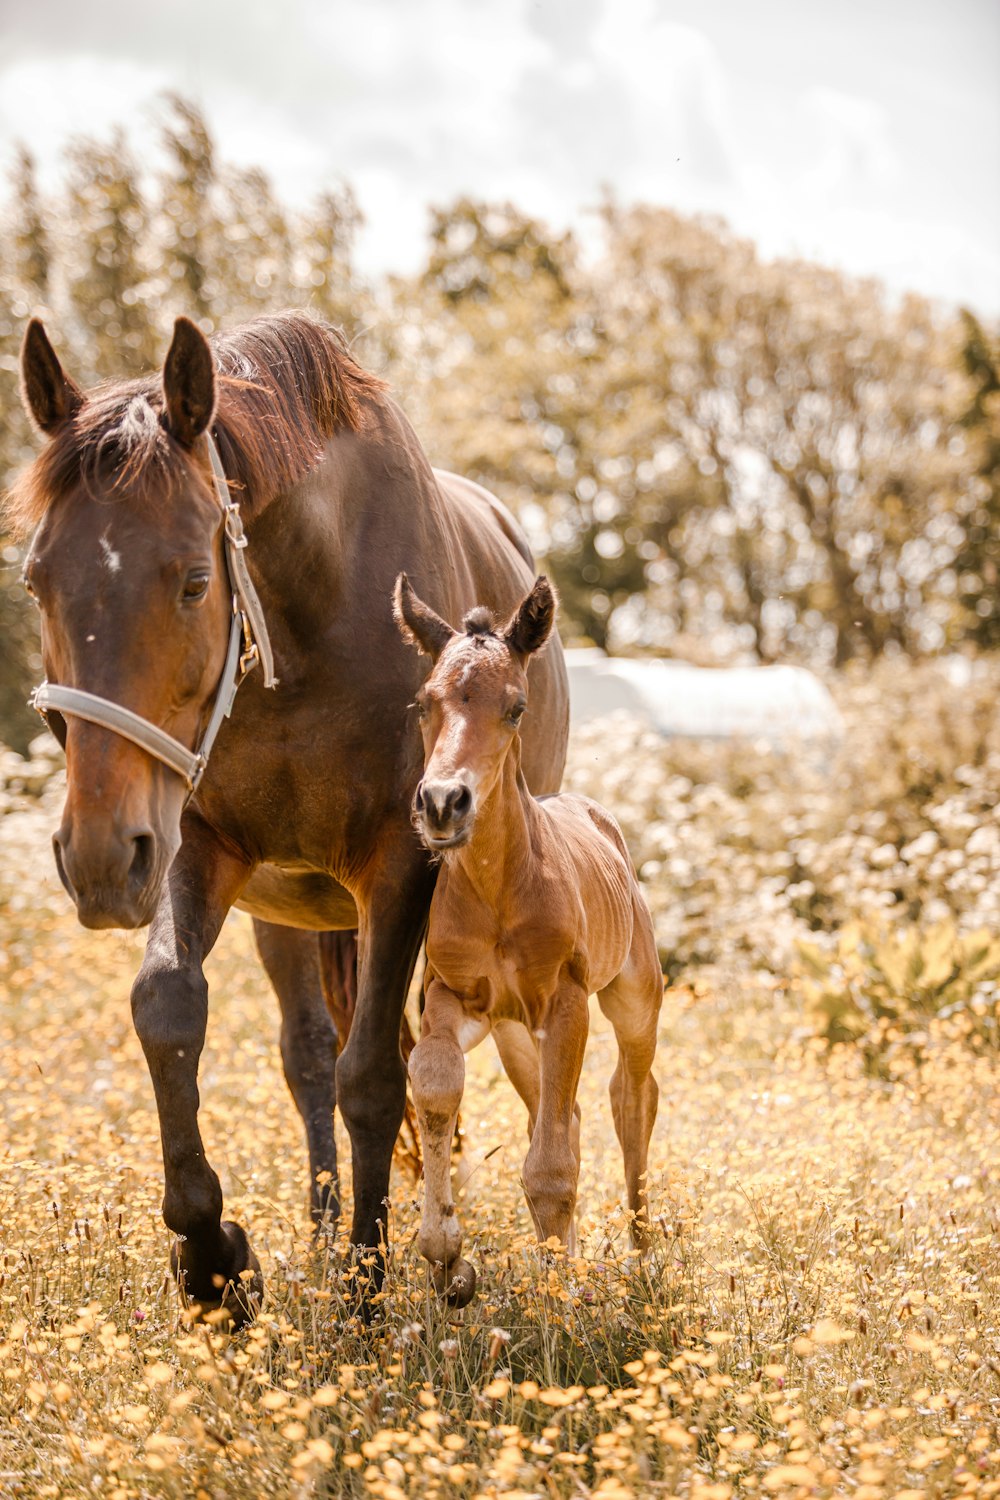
(248, 644)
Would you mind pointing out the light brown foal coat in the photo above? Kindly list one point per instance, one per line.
(538, 910)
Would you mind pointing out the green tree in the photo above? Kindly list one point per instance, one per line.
(978, 563)
(105, 245)
(187, 191)
(25, 264)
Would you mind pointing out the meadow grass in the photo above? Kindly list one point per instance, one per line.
(819, 1316)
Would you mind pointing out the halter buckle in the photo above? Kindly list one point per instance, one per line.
(250, 655)
(249, 659)
(234, 525)
(195, 779)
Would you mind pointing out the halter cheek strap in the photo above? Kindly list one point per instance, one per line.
(249, 644)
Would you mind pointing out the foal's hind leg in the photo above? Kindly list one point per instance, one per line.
(552, 1165)
(519, 1054)
(308, 1052)
(437, 1078)
(631, 1003)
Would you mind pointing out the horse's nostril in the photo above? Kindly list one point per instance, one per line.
(57, 850)
(144, 850)
(418, 799)
(461, 802)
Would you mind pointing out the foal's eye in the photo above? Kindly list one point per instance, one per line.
(195, 586)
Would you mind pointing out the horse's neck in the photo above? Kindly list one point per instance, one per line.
(311, 545)
(498, 857)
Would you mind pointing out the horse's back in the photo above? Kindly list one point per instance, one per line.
(467, 492)
(496, 568)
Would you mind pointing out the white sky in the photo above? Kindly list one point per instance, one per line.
(864, 133)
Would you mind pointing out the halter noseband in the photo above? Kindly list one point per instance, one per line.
(248, 644)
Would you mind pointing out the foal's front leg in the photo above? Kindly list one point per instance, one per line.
(437, 1078)
(170, 1011)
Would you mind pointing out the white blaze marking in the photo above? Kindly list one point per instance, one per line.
(112, 559)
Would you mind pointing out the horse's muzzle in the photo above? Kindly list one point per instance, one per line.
(113, 881)
(444, 812)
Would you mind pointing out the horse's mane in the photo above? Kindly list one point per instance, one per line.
(285, 384)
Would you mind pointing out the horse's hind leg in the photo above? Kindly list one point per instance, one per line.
(308, 1051)
(437, 1078)
(632, 1004)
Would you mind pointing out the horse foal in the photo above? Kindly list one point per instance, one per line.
(536, 908)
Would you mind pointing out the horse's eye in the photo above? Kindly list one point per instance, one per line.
(195, 586)
(516, 714)
(26, 585)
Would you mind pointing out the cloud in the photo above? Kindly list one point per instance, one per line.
(542, 101)
(45, 101)
(850, 140)
(673, 84)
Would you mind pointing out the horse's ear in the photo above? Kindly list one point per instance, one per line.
(530, 626)
(417, 622)
(188, 383)
(50, 396)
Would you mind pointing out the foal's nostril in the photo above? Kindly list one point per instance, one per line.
(440, 804)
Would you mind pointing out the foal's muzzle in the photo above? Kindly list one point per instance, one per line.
(444, 812)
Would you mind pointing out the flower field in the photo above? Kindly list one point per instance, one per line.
(820, 1315)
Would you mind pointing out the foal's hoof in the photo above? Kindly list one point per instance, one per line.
(456, 1283)
(237, 1286)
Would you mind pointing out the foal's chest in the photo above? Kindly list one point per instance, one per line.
(503, 972)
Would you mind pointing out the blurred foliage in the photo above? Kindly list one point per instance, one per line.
(715, 456)
(725, 457)
(878, 988)
(746, 851)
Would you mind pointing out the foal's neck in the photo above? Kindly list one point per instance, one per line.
(497, 859)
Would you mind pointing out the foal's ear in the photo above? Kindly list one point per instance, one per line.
(417, 622)
(188, 383)
(530, 626)
(49, 395)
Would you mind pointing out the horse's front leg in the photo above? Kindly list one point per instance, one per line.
(371, 1077)
(437, 1077)
(212, 1259)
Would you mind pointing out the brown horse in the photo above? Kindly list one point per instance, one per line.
(302, 816)
(537, 907)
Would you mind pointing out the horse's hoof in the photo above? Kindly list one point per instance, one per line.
(456, 1283)
(236, 1295)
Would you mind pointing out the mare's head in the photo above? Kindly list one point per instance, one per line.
(471, 704)
(126, 565)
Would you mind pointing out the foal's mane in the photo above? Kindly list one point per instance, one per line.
(285, 384)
